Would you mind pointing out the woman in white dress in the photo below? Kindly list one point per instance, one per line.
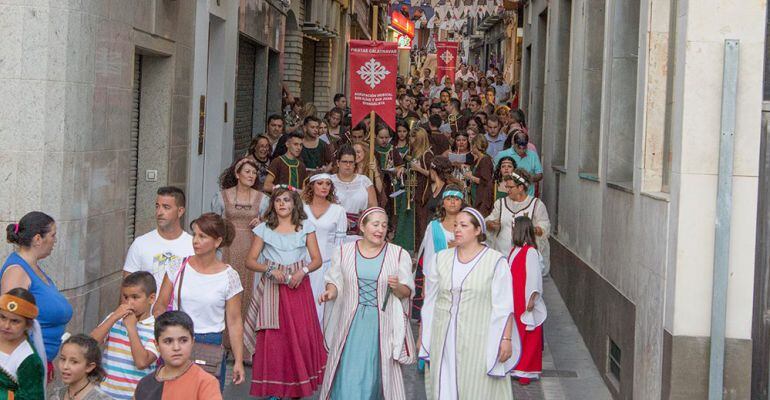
(355, 191)
(517, 204)
(471, 345)
(331, 225)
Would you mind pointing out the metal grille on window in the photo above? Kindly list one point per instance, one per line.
(133, 170)
(613, 363)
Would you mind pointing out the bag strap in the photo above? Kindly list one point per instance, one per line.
(178, 278)
(179, 288)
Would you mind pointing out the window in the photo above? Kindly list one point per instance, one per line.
(561, 69)
(622, 95)
(591, 96)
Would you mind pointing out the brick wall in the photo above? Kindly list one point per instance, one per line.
(323, 81)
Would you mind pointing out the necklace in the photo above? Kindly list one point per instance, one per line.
(71, 396)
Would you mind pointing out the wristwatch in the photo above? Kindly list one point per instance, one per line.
(305, 270)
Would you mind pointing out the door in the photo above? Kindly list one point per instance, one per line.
(244, 98)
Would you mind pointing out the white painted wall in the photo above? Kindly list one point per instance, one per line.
(708, 24)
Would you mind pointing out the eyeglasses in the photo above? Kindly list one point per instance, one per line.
(242, 206)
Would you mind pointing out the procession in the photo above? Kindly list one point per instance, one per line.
(396, 200)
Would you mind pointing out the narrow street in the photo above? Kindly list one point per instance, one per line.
(569, 372)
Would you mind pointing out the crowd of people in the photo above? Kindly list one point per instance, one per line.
(313, 261)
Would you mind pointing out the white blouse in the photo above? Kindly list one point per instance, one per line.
(204, 296)
(353, 195)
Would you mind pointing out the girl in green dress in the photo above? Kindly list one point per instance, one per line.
(404, 216)
(22, 370)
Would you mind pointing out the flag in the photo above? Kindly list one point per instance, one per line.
(373, 71)
(446, 55)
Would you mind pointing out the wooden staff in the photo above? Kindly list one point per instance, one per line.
(371, 144)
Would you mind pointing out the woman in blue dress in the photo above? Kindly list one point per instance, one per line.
(281, 327)
(368, 289)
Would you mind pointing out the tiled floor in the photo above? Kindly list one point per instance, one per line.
(568, 370)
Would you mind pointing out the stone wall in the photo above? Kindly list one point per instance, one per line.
(66, 73)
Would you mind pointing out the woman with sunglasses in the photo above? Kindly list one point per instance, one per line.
(242, 205)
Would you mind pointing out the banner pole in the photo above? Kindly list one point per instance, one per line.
(375, 14)
(371, 143)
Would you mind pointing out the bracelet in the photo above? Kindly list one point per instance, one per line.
(305, 270)
(506, 338)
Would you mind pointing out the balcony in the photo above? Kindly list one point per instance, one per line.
(322, 18)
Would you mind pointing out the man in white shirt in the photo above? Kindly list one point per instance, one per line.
(166, 246)
(465, 74)
(502, 90)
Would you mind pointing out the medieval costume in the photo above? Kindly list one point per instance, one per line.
(23, 372)
(287, 171)
(240, 214)
(506, 210)
(482, 193)
(422, 195)
(527, 280)
(404, 216)
(331, 228)
(467, 307)
(366, 327)
(354, 198)
(387, 161)
(281, 329)
(317, 157)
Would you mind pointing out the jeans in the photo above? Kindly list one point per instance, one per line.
(215, 338)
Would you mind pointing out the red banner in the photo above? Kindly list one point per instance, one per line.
(373, 71)
(446, 59)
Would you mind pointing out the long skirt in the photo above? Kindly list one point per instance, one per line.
(531, 362)
(404, 234)
(289, 361)
(358, 374)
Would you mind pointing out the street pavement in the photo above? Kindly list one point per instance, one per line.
(568, 370)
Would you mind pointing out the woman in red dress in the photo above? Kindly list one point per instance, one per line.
(528, 307)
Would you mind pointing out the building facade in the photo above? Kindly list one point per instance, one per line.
(624, 100)
(96, 98)
(316, 32)
(130, 96)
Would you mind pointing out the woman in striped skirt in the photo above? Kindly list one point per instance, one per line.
(471, 345)
(368, 289)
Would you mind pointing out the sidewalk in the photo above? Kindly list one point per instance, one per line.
(568, 370)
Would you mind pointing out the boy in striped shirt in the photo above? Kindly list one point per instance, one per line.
(128, 333)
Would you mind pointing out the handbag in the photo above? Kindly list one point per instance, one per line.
(208, 356)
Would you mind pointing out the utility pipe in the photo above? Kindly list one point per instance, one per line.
(723, 218)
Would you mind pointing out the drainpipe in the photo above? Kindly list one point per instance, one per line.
(724, 213)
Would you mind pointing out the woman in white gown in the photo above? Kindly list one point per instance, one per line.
(330, 223)
(519, 204)
(355, 191)
(468, 335)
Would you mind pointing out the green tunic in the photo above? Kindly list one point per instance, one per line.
(404, 235)
(28, 382)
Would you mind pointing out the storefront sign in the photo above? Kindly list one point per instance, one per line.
(373, 71)
(402, 24)
(446, 58)
(404, 42)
